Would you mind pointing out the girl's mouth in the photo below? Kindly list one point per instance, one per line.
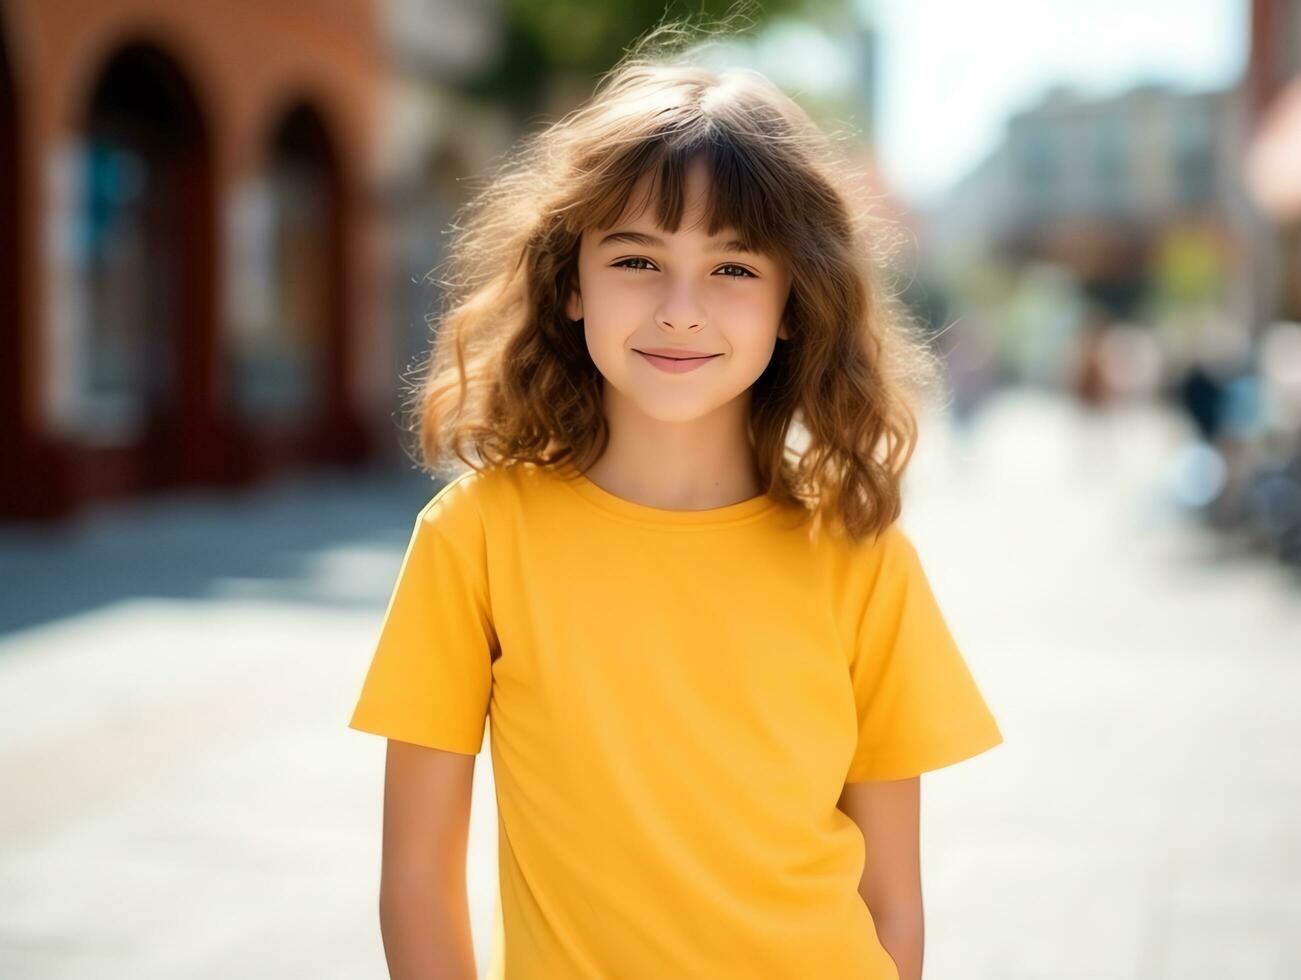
(676, 365)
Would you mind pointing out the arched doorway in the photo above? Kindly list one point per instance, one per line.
(142, 414)
(287, 351)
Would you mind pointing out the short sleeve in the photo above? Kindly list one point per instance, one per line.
(918, 705)
(430, 675)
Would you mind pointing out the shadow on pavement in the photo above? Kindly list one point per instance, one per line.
(185, 545)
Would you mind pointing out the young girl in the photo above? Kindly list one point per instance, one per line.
(672, 576)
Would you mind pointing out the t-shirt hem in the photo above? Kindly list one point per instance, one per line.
(418, 736)
(957, 747)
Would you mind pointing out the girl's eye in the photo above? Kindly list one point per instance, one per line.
(623, 263)
(740, 272)
(744, 272)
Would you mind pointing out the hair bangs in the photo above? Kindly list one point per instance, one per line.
(740, 195)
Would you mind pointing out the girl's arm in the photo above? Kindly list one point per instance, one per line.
(423, 908)
(887, 812)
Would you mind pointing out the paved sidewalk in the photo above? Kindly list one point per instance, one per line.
(182, 797)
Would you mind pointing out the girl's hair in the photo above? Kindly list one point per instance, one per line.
(509, 378)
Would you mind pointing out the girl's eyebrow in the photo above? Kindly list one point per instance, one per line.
(641, 238)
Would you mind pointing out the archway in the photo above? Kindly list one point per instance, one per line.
(144, 217)
(288, 349)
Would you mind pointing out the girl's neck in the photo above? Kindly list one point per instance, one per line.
(694, 465)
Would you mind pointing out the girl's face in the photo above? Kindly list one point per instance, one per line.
(678, 324)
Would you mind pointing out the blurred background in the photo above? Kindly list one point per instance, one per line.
(218, 223)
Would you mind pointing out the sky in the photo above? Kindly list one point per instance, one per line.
(950, 72)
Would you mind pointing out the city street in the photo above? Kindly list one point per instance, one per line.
(182, 797)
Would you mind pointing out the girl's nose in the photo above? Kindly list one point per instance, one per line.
(673, 325)
(680, 310)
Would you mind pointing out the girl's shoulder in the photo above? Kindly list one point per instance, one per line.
(884, 546)
(882, 561)
(457, 507)
(469, 499)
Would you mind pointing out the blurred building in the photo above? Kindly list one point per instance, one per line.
(433, 142)
(1273, 159)
(197, 241)
(188, 251)
(1103, 187)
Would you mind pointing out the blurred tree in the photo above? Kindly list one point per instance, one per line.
(547, 41)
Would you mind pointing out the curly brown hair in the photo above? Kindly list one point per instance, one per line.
(509, 379)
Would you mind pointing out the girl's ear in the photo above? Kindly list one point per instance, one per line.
(574, 305)
(782, 332)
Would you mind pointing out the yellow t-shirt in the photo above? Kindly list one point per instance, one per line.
(676, 700)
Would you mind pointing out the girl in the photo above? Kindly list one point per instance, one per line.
(672, 575)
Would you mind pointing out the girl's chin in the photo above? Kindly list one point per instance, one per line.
(670, 410)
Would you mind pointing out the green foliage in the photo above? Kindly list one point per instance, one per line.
(546, 39)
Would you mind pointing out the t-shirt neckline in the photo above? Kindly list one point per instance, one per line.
(710, 517)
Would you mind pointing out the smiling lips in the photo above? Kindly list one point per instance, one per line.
(675, 362)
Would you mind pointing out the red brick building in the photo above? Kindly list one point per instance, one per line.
(186, 253)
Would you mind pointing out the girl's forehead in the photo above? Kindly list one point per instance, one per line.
(644, 230)
(650, 190)
(642, 215)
